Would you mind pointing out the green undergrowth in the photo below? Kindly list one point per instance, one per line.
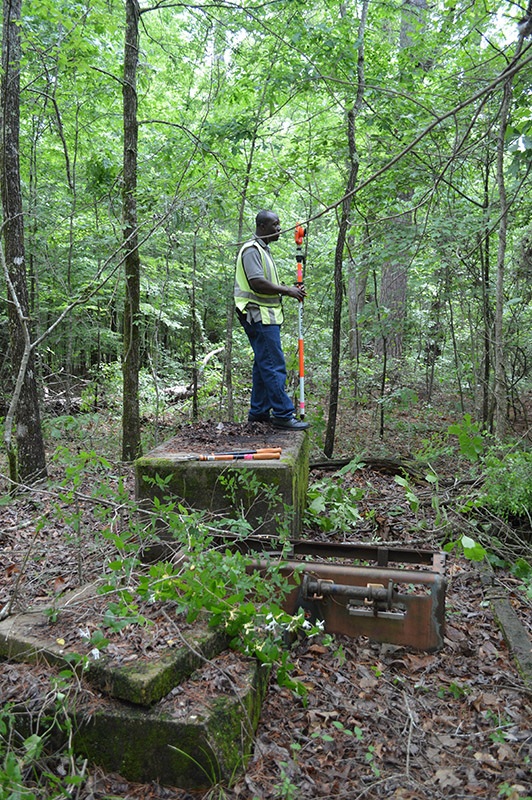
(207, 578)
(496, 503)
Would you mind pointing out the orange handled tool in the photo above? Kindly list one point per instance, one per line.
(248, 452)
(238, 456)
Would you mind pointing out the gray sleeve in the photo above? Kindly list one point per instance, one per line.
(252, 263)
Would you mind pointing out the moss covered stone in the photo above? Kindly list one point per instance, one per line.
(210, 485)
(143, 681)
(206, 746)
(147, 680)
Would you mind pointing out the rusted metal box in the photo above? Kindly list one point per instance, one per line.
(389, 594)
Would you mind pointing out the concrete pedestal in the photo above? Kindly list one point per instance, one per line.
(270, 494)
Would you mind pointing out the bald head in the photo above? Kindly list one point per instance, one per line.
(268, 226)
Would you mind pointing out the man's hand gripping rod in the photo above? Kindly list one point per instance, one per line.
(300, 258)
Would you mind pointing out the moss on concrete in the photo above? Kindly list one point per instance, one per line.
(231, 726)
(146, 747)
(198, 485)
(145, 681)
(207, 746)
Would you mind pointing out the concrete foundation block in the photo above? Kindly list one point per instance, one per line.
(229, 488)
(193, 751)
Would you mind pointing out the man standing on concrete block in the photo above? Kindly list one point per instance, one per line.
(258, 305)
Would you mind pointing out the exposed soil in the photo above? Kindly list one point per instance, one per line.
(379, 720)
(213, 437)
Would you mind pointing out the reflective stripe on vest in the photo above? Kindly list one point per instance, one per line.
(271, 311)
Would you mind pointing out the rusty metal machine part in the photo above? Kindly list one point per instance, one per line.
(402, 606)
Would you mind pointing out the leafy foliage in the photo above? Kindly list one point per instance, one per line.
(330, 507)
(470, 438)
(507, 487)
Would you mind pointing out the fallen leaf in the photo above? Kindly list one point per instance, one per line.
(446, 778)
(419, 662)
(454, 634)
(516, 791)
(318, 648)
(487, 649)
(368, 683)
(487, 758)
(505, 752)
(484, 699)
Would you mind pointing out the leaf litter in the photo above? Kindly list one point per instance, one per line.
(378, 721)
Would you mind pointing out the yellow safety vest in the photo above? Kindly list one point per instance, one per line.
(270, 306)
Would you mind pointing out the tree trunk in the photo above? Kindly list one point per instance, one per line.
(194, 329)
(357, 280)
(29, 462)
(131, 443)
(395, 273)
(340, 243)
(500, 379)
(487, 315)
(393, 299)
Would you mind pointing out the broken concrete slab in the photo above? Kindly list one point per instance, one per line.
(271, 493)
(146, 724)
(29, 638)
(206, 745)
(517, 638)
(198, 735)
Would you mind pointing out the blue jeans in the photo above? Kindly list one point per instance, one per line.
(269, 371)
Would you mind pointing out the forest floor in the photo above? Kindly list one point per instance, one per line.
(379, 720)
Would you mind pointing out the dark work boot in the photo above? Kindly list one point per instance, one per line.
(259, 418)
(289, 424)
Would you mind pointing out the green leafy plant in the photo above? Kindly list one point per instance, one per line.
(469, 437)
(411, 496)
(513, 791)
(507, 488)
(457, 690)
(286, 789)
(24, 770)
(217, 580)
(244, 490)
(440, 513)
(522, 570)
(434, 446)
(332, 507)
(13, 761)
(468, 547)
(370, 760)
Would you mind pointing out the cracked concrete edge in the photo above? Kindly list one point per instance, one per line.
(517, 638)
(141, 681)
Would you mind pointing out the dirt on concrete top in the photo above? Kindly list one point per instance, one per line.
(210, 437)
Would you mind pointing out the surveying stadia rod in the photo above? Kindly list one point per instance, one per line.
(300, 258)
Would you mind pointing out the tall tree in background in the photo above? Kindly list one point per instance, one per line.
(394, 280)
(354, 162)
(500, 377)
(131, 443)
(29, 460)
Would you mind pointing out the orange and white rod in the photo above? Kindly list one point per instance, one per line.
(300, 258)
